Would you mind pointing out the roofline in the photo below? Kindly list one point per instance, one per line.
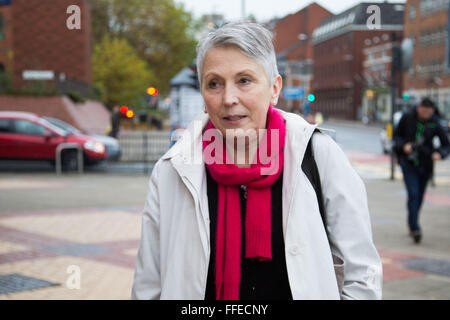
(351, 28)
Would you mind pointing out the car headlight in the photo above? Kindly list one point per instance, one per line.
(94, 146)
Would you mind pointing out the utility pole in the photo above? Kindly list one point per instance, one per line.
(395, 66)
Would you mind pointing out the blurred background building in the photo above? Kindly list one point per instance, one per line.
(294, 50)
(339, 57)
(427, 24)
(42, 62)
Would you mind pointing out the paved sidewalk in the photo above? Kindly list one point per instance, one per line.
(51, 227)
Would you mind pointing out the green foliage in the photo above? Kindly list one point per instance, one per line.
(75, 97)
(160, 31)
(6, 86)
(119, 73)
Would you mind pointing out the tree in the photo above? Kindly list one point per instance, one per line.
(161, 32)
(119, 73)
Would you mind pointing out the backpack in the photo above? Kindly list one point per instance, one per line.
(310, 169)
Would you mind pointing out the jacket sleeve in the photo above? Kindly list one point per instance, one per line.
(444, 149)
(348, 221)
(147, 280)
(399, 138)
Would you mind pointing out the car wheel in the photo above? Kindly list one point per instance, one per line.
(69, 160)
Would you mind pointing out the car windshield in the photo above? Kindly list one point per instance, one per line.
(63, 125)
(58, 130)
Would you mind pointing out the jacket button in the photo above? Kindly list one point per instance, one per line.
(295, 249)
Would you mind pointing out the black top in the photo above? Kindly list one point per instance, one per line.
(421, 135)
(259, 279)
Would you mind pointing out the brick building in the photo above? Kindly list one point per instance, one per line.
(36, 43)
(377, 72)
(338, 42)
(427, 24)
(36, 46)
(294, 49)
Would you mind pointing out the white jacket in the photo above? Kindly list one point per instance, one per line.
(174, 252)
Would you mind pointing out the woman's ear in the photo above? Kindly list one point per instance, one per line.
(276, 90)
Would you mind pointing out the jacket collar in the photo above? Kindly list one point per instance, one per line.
(186, 154)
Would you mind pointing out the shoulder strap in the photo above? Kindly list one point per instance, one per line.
(310, 169)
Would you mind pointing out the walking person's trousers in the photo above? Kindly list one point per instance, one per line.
(416, 179)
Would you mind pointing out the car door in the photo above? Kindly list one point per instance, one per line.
(6, 139)
(32, 141)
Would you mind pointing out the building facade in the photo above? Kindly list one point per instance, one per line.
(294, 50)
(427, 24)
(37, 44)
(339, 80)
(377, 75)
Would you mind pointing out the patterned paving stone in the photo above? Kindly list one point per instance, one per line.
(434, 266)
(11, 283)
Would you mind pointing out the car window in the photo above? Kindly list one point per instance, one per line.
(5, 125)
(28, 127)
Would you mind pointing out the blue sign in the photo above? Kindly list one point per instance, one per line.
(292, 93)
(5, 2)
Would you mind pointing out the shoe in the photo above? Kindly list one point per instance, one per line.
(416, 235)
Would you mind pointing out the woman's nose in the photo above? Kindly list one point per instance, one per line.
(230, 95)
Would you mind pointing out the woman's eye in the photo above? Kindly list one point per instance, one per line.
(213, 84)
(244, 80)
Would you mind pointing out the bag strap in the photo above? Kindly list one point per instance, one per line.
(310, 169)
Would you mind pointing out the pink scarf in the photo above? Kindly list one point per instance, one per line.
(258, 221)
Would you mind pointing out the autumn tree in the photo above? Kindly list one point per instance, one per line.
(119, 73)
(160, 31)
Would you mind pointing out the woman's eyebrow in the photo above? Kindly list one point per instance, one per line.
(246, 71)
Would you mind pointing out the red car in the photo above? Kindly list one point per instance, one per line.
(25, 136)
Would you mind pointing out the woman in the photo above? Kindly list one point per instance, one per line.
(219, 226)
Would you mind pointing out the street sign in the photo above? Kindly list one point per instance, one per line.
(38, 75)
(292, 93)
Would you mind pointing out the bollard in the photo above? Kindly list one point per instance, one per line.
(68, 146)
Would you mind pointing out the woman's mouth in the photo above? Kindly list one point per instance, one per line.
(234, 119)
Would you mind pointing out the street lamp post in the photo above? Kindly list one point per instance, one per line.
(395, 65)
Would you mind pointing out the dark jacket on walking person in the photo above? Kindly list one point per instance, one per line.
(115, 122)
(413, 143)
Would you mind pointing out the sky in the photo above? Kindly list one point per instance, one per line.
(263, 10)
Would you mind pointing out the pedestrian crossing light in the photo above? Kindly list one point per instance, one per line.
(311, 97)
(406, 96)
(152, 91)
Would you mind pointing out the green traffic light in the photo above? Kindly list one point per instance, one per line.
(405, 96)
(311, 97)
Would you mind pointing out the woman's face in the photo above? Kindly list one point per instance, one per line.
(236, 90)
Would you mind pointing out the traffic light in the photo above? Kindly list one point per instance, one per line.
(123, 109)
(130, 114)
(406, 96)
(152, 91)
(311, 97)
(370, 93)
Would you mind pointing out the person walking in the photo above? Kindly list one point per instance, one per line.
(218, 225)
(413, 143)
(115, 122)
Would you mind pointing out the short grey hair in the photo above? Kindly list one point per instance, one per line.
(252, 39)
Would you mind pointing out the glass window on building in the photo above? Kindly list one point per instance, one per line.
(412, 12)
